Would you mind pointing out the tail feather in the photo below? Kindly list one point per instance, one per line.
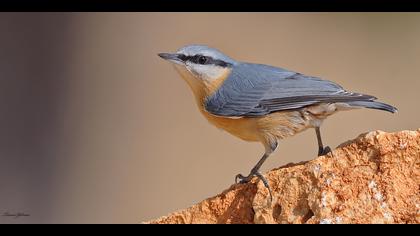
(373, 105)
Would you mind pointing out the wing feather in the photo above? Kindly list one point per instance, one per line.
(254, 90)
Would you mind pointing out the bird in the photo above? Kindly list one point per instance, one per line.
(262, 103)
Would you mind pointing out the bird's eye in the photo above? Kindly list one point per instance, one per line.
(202, 60)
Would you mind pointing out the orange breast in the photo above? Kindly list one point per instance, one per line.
(244, 128)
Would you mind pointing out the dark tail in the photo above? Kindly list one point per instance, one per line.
(373, 105)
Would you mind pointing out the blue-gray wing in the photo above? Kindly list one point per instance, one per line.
(253, 90)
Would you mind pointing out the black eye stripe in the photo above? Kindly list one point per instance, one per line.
(209, 60)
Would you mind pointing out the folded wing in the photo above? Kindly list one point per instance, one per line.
(253, 90)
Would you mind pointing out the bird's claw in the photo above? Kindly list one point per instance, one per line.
(324, 151)
(242, 179)
(246, 179)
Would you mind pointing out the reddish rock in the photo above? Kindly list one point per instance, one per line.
(374, 178)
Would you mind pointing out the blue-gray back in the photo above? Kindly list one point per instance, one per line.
(253, 90)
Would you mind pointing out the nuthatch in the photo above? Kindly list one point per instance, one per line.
(259, 102)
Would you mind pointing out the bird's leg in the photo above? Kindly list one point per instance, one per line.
(255, 170)
(321, 149)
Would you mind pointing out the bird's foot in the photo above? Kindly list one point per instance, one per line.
(245, 179)
(324, 151)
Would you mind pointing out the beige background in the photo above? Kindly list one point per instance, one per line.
(96, 128)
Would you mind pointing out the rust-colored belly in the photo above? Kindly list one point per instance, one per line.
(243, 128)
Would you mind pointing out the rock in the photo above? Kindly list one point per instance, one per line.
(374, 178)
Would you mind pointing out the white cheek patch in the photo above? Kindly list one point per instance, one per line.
(207, 72)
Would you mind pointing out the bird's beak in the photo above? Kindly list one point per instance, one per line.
(172, 57)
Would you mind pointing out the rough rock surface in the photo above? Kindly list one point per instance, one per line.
(374, 178)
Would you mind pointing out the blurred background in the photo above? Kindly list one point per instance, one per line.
(96, 128)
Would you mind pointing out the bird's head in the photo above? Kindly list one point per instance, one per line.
(201, 66)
